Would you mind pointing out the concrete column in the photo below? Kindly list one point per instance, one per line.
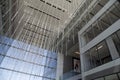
(85, 64)
(82, 65)
(112, 48)
(60, 60)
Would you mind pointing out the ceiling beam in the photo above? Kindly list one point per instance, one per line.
(52, 5)
(38, 26)
(36, 32)
(43, 12)
(69, 1)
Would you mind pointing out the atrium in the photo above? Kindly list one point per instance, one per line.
(59, 39)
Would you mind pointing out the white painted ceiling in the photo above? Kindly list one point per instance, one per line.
(65, 14)
(49, 15)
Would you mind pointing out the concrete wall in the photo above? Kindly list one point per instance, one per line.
(104, 35)
(59, 70)
(77, 77)
(67, 64)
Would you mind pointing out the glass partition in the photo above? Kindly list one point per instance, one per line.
(96, 56)
(105, 21)
(100, 79)
(116, 39)
(112, 77)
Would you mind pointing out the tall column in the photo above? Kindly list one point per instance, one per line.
(112, 48)
(60, 60)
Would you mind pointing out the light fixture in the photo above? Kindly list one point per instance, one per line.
(77, 52)
(99, 47)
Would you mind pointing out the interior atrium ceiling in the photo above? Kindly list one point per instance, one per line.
(61, 10)
(28, 29)
(44, 20)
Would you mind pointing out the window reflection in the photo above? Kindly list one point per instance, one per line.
(115, 76)
(96, 56)
(97, 29)
(103, 51)
(5, 74)
(3, 49)
(105, 21)
(87, 58)
(111, 77)
(7, 60)
(116, 39)
(23, 61)
(118, 33)
(119, 75)
(100, 79)
(1, 58)
(95, 61)
(84, 39)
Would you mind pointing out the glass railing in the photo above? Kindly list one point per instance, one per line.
(69, 74)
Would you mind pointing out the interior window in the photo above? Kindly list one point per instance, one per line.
(112, 77)
(100, 79)
(119, 75)
(103, 52)
(95, 60)
(116, 40)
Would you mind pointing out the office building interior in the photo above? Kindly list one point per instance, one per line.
(59, 39)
